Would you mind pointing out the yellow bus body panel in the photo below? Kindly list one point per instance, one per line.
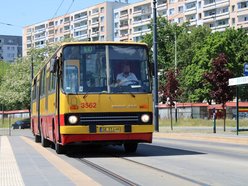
(105, 103)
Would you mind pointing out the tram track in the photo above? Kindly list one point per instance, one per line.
(108, 173)
(162, 171)
(121, 179)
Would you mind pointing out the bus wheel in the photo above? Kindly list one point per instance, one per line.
(60, 149)
(37, 139)
(44, 142)
(130, 147)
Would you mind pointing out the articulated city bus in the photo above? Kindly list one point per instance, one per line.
(94, 92)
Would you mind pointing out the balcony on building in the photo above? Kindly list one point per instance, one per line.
(140, 29)
(66, 28)
(81, 25)
(40, 44)
(95, 21)
(124, 24)
(161, 3)
(242, 8)
(192, 19)
(40, 36)
(142, 9)
(216, 14)
(124, 34)
(218, 25)
(81, 34)
(243, 21)
(190, 8)
(123, 14)
(51, 40)
(67, 20)
(209, 4)
(51, 24)
(80, 16)
(141, 20)
(95, 11)
(40, 28)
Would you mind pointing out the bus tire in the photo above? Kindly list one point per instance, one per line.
(60, 149)
(45, 142)
(130, 147)
(37, 139)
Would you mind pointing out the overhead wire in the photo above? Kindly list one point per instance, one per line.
(69, 7)
(58, 8)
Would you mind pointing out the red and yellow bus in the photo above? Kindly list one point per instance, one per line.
(76, 96)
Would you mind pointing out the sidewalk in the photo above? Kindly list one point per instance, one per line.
(203, 134)
(24, 162)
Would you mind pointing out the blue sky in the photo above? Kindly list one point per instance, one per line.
(20, 13)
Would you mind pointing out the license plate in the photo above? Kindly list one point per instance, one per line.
(109, 129)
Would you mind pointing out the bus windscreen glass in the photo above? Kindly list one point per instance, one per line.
(105, 69)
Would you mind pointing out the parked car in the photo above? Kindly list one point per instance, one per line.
(21, 124)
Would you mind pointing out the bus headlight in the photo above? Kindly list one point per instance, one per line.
(145, 118)
(73, 119)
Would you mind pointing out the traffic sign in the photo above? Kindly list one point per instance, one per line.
(246, 69)
(238, 81)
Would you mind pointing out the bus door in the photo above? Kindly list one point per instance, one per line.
(38, 103)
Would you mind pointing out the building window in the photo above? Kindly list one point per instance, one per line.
(172, 1)
(199, 15)
(171, 11)
(233, 8)
(199, 4)
(102, 10)
(102, 19)
(67, 19)
(190, 5)
(180, 9)
(102, 28)
(233, 21)
(180, 19)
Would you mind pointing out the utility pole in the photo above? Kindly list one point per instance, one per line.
(176, 72)
(175, 54)
(155, 81)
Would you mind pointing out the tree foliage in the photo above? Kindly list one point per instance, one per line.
(15, 86)
(218, 78)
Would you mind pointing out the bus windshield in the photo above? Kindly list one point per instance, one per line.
(109, 68)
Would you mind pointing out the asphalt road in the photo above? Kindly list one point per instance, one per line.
(164, 162)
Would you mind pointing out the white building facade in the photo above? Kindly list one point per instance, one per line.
(116, 21)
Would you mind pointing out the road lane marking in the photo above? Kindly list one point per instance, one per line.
(10, 174)
(75, 175)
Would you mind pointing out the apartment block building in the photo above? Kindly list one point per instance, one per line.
(10, 47)
(94, 23)
(131, 22)
(119, 21)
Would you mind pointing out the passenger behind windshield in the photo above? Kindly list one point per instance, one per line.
(126, 77)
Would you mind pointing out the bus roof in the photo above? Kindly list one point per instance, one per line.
(102, 43)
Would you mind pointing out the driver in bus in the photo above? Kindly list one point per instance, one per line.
(126, 77)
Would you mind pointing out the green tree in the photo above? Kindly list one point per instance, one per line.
(16, 82)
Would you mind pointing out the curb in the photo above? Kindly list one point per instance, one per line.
(205, 137)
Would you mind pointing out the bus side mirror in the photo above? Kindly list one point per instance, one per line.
(53, 65)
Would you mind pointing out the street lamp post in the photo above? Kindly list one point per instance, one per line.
(175, 73)
(175, 54)
(155, 88)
